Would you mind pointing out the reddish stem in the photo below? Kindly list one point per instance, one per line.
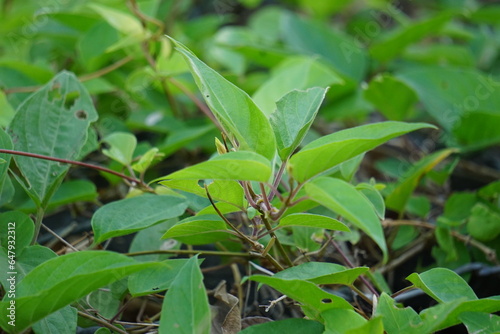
(77, 163)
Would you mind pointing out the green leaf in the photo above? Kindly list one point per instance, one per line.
(16, 229)
(373, 326)
(146, 160)
(155, 279)
(392, 97)
(26, 260)
(72, 276)
(199, 230)
(477, 322)
(339, 321)
(149, 239)
(487, 14)
(69, 192)
(121, 21)
(395, 42)
(308, 294)
(329, 151)
(447, 314)
(464, 102)
(240, 165)
(397, 320)
(54, 121)
(400, 195)
(443, 285)
(7, 112)
(312, 220)
(133, 214)
(322, 273)
(289, 326)
(293, 117)
(295, 73)
(373, 195)
(236, 111)
(62, 321)
(228, 191)
(122, 146)
(484, 222)
(343, 198)
(185, 307)
(5, 143)
(312, 38)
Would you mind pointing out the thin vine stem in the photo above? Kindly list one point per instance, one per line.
(488, 252)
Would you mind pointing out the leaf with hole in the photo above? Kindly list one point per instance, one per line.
(53, 121)
(313, 299)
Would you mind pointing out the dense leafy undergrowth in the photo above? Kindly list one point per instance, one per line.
(255, 166)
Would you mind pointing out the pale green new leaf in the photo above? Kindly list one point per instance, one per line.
(146, 160)
(312, 220)
(240, 165)
(293, 117)
(329, 151)
(121, 147)
(236, 111)
(54, 121)
(121, 21)
(199, 230)
(133, 214)
(343, 198)
(72, 276)
(185, 307)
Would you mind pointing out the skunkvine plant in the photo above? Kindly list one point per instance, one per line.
(264, 197)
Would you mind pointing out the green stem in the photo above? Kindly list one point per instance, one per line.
(277, 242)
(38, 223)
(191, 252)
